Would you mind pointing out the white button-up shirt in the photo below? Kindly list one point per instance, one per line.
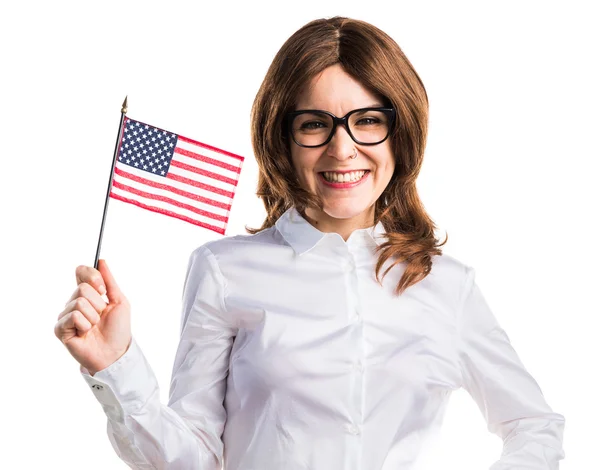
(293, 357)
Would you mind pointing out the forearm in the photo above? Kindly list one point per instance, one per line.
(143, 432)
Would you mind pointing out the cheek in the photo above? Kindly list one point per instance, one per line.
(304, 164)
(385, 164)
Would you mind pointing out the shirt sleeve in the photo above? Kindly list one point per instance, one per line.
(186, 433)
(508, 397)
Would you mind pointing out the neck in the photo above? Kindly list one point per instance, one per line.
(328, 224)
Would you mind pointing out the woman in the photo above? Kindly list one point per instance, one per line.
(294, 353)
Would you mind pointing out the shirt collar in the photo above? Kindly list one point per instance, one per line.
(302, 236)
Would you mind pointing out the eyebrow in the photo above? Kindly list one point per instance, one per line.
(372, 105)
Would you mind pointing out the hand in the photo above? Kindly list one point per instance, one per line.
(96, 333)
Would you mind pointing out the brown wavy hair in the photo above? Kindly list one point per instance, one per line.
(375, 60)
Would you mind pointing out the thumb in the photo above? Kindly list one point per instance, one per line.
(113, 292)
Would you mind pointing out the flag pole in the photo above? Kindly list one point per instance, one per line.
(112, 172)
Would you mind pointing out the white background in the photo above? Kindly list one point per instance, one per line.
(510, 173)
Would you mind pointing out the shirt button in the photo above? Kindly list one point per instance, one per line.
(358, 366)
(349, 267)
(353, 429)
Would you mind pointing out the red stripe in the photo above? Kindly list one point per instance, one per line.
(203, 158)
(207, 173)
(210, 147)
(183, 179)
(168, 200)
(169, 213)
(181, 192)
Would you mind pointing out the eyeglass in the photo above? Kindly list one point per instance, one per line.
(366, 126)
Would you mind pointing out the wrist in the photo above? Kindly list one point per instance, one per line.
(107, 361)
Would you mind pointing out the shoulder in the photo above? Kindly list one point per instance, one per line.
(448, 277)
(447, 266)
(236, 248)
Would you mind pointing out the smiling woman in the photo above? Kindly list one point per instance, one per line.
(292, 354)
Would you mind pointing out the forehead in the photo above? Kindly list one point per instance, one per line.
(336, 91)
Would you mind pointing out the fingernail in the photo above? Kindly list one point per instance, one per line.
(102, 290)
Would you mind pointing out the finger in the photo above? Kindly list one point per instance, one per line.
(72, 323)
(81, 323)
(91, 276)
(87, 291)
(81, 304)
(113, 292)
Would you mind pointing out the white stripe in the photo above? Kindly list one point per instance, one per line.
(169, 207)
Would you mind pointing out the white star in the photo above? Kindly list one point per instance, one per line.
(162, 173)
(153, 170)
(136, 163)
(128, 162)
(145, 167)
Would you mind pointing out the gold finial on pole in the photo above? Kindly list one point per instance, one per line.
(124, 107)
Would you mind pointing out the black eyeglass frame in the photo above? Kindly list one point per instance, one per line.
(389, 112)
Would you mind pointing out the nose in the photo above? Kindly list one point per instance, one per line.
(341, 145)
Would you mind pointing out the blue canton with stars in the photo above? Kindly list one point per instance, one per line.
(147, 148)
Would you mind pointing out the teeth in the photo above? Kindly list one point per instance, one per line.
(343, 178)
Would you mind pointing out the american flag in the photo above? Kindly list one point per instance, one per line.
(176, 176)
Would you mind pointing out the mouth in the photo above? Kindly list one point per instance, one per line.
(354, 179)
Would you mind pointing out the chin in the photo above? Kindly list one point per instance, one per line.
(345, 211)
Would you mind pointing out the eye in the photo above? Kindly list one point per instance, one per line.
(368, 121)
(310, 125)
